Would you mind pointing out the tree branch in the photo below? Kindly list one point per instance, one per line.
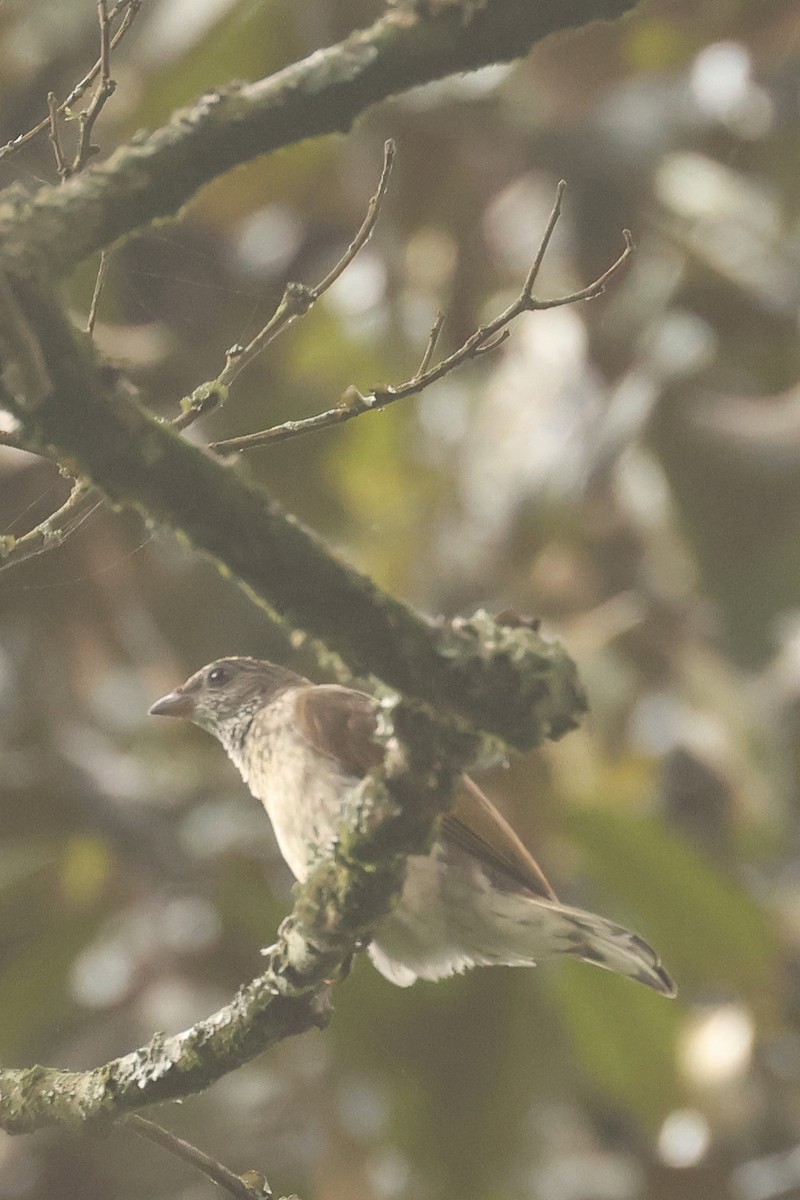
(102, 94)
(54, 530)
(128, 9)
(297, 300)
(510, 682)
(485, 339)
(389, 816)
(155, 176)
(235, 1185)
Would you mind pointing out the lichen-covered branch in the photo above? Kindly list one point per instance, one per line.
(390, 815)
(155, 175)
(509, 682)
(53, 530)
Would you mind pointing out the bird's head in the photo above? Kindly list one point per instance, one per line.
(224, 696)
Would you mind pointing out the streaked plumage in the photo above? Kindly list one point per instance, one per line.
(478, 899)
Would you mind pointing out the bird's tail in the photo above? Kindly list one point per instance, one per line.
(596, 940)
(447, 922)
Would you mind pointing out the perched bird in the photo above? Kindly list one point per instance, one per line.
(479, 898)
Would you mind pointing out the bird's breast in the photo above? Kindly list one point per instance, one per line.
(300, 789)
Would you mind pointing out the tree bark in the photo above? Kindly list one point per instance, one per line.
(156, 174)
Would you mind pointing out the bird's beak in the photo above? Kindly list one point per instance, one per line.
(176, 704)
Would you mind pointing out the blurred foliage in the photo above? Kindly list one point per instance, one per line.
(628, 469)
(660, 877)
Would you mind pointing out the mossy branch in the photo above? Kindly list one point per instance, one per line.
(507, 681)
(392, 815)
(152, 177)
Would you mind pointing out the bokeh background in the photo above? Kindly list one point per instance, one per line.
(628, 469)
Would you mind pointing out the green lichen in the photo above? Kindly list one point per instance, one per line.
(205, 398)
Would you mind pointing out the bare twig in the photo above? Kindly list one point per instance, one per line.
(484, 340)
(298, 298)
(367, 225)
(55, 137)
(25, 350)
(85, 150)
(105, 89)
(99, 283)
(433, 338)
(54, 530)
(103, 92)
(129, 9)
(236, 1185)
(544, 244)
(296, 301)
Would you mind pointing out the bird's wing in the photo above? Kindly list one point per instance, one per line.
(475, 825)
(340, 723)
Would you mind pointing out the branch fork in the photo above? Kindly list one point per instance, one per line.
(486, 339)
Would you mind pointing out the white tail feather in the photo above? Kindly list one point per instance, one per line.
(446, 923)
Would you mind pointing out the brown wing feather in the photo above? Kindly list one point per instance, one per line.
(475, 825)
(340, 723)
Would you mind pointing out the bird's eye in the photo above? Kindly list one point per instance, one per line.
(217, 677)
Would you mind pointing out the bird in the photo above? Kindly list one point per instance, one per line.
(478, 898)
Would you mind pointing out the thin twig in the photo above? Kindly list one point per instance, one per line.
(54, 530)
(99, 283)
(433, 338)
(484, 340)
(221, 1175)
(82, 500)
(103, 92)
(297, 299)
(85, 150)
(55, 137)
(367, 225)
(34, 380)
(130, 8)
(544, 244)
